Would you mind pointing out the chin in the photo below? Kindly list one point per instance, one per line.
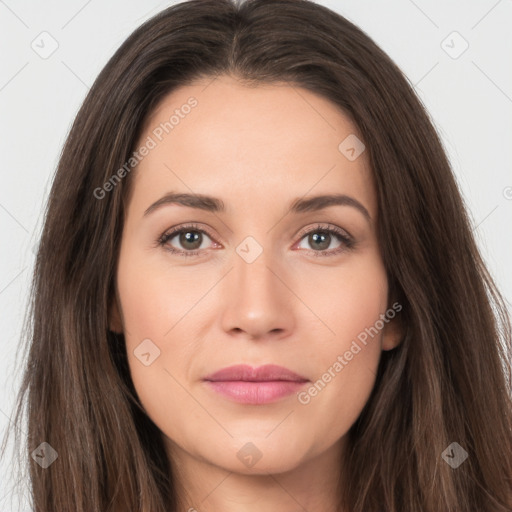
(256, 456)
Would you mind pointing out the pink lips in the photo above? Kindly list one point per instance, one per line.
(255, 386)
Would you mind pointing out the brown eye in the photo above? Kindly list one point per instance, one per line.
(189, 240)
(320, 239)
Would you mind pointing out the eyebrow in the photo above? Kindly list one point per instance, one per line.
(299, 205)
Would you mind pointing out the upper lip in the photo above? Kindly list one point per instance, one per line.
(265, 373)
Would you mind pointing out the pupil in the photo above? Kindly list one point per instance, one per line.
(315, 237)
(190, 237)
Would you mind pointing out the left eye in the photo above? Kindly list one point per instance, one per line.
(191, 239)
(322, 238)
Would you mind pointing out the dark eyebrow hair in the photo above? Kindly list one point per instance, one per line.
(300, 205)
(315, 203)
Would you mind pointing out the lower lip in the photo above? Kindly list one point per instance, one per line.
(256, 393)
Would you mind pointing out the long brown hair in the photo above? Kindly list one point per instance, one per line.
(448, 381)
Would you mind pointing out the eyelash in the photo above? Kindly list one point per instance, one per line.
(346, 240)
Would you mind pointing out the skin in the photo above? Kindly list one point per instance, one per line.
(257, 149)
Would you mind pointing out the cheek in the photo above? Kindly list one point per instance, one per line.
(345, 301)
(153, 306)
(347, 346)
(154, 297)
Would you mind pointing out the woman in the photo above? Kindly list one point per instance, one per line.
(243, 371)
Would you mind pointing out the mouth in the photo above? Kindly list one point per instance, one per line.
(255, 386)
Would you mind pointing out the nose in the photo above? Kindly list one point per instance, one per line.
(258, 302)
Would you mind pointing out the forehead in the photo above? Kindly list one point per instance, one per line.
(267, 142)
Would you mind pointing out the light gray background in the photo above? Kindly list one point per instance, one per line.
(468, 97)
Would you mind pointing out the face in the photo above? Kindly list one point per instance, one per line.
(258, 276)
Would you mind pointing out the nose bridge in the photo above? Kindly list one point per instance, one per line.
(257, 302)
(255, 268)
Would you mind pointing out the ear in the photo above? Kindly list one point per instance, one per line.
(393, 331)
(115, 322)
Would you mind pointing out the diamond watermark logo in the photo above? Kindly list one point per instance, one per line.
(45, 45)
(454, 455)
(351, 147)
(454, 45)
(44, 455)
(146, 352)
(249, 249)
(249, 455)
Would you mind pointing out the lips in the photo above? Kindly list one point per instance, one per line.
(255, 386)
(268, 372)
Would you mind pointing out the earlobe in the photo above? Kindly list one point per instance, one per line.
(392, 333)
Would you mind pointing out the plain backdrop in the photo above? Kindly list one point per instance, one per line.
(457, 54)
